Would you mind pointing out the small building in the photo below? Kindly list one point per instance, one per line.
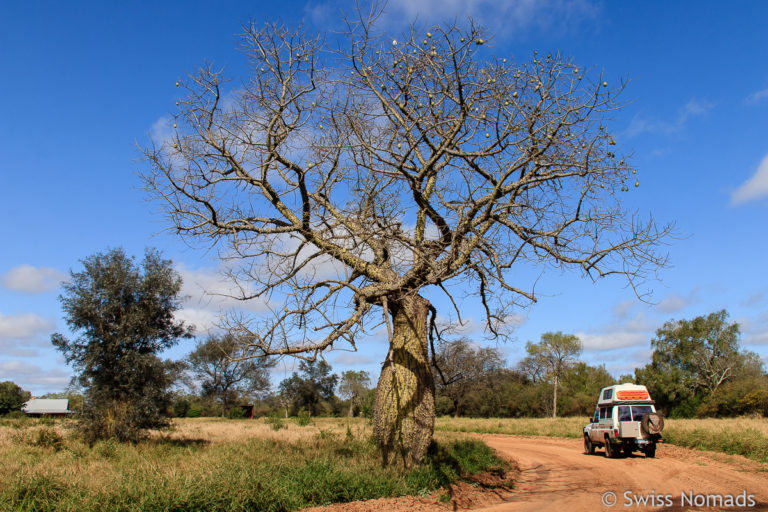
(58, 407)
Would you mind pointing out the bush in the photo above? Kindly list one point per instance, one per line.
(303, 417)
(755, 402)
(194, 411)
(46, 437)
(236, 413)
(275, 421)
(181, 408)
(107, 449)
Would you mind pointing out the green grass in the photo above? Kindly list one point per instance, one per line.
(47, 470)
(736, 436)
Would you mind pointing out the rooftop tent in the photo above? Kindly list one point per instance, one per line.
(47, 406)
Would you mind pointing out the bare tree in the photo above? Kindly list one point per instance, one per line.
(348, 182)
(463, 368)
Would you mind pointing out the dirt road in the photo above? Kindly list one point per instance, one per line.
(555, 474)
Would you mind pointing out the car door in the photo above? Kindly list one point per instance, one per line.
(594, 426)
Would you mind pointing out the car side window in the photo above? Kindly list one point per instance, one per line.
(596, 417)
(607, 394)
(624, 413)
(602, 413)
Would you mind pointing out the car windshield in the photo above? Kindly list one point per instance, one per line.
(638, 411)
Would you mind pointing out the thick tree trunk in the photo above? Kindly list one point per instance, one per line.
(404, 411)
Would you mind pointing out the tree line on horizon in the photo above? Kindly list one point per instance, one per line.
(123, 314)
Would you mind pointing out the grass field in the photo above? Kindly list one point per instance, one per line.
(274, 465)
(735, 436)
(216, 464)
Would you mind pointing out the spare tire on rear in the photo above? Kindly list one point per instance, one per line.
(652, 424)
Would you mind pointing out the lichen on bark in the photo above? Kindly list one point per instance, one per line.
(404, 414)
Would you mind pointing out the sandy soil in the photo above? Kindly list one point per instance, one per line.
(555, 474)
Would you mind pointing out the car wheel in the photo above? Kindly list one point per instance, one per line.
(652, 424)
(650, 452)
(589, 448)
(610, 449)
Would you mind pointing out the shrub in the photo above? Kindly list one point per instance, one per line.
(754, 402)
(303, 417)
(236, 413)
(181, 407)
(107, 449)
(275, 421)
(46, 437)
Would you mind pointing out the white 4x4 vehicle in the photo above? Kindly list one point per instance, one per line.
(625, 420)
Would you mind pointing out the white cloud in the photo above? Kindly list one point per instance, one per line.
(622, 333)
(757, 97)
(34, 378)
(754, 329)
(29, 279)
(753, 299)
(502, 17)
(693, 108)
(162, 131)
(208, 294)
(205, 321)
(673, 302)
(352, 359)
(622, 309)
(612, 340)
(755, 187)
(24, 326)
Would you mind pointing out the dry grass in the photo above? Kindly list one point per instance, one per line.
(720, 424)
(217, 430)
(551, 427)
(216, 464)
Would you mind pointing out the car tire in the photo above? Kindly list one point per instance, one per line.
(650, 452)
(589, 448)
(652, 424)
(611, 450)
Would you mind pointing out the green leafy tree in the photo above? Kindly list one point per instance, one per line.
(12, 397)
(223, 374)
(354, 387)
(553, 354)
(581, 386)
(311, 389)
(692, 361)
(355, 187)
(122, 314)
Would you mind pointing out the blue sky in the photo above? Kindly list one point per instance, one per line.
(84, 82)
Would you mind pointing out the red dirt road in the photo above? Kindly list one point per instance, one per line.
(555, 474)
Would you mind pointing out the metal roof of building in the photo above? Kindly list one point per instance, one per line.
(46, 406)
